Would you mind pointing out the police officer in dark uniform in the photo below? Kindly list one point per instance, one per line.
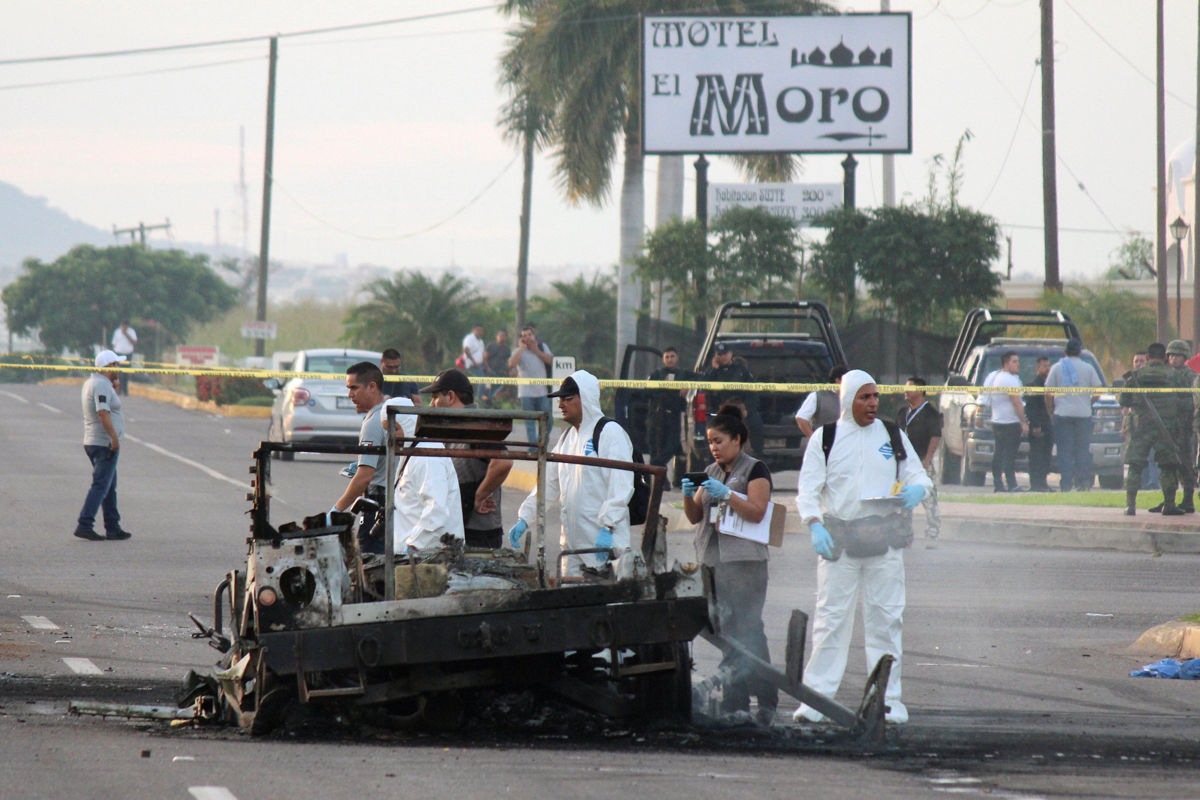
(1157, 416)
(725, 368)
(666, 405)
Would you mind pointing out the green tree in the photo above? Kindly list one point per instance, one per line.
(564, 320)
(73, 302)
(1133, 260)
(745, 250)
(928, 267)
(1114, 323)
(676, 253)
(423, 318)
(584, 56)
(833, 268)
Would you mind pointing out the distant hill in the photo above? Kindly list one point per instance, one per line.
(30, 227)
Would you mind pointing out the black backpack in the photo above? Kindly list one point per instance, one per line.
(829, 433)
(639, 503)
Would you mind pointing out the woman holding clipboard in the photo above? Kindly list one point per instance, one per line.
(739, 483)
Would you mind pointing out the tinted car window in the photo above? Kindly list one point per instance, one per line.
(338, 364)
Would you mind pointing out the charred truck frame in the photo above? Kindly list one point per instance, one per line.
(405, 641)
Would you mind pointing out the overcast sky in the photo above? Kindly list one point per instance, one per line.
(387, 151)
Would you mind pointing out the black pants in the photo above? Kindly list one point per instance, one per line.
(1004, 462)
(1039, 458)
(490, 539)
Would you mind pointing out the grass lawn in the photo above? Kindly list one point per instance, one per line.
(1087, 499)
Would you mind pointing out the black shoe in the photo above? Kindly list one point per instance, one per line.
(119, 533)
(1172, 511)
(1155, 509)
(90, 535)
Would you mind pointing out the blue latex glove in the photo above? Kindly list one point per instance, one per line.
(516, 532)
(913, 495)
(603, 539)
(715, 489)
(689, 488)
(822, 542)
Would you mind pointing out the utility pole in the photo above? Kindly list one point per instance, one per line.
(140, 229)
(1160, 188)
(264, 244)
(889, 163)
(1195, 209)
(1053, 283)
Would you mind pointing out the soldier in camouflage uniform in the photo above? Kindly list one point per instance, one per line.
(1178, 352)
(1157, 416)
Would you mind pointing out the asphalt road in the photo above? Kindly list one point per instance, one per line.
(1015, 673)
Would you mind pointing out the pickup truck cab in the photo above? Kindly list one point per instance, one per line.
(967, 442)
(780, 342)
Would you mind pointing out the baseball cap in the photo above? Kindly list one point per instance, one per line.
(721, 347)
(449, 380)
(106, 358)
(568, 388)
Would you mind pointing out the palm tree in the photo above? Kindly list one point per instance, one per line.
(423, 318)
(558, 319)
(584, 55)
(526, 119)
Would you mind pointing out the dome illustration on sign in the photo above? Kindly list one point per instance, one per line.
(841, 56)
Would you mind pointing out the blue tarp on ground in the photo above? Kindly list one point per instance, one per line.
(1170, 668)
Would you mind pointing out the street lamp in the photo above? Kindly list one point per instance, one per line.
(1179, 230)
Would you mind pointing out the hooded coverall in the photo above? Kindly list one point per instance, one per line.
(591, 497)
(861, 465)
(426, 498)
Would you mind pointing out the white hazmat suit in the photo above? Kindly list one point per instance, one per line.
(861, 465)
(427, 497)
(591, 498)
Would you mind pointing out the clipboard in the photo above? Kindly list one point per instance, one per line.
(768, 530)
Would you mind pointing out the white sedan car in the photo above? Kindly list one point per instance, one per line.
(317, 409)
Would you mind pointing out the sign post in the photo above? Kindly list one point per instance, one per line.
(560, 368)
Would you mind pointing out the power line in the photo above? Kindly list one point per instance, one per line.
(403, 236)
(245, 39)
(140, 73)
(1122, 56)
(1013, 139)
(1062, 161)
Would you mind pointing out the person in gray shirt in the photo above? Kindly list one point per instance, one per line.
(533, 359)
(364, 381)
(103, 427)
(1072, 417)
(479, 479)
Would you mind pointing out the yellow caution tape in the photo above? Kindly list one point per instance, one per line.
(85, 365)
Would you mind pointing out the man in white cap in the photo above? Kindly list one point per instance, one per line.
(103, 427)
(594, 500)
(850, 497)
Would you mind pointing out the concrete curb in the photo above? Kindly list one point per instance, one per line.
(1072, 534)
(184, 401)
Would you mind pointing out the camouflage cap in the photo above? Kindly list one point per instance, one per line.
(1178, 347)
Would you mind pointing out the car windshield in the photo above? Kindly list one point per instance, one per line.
(991, 363)
(337, 363)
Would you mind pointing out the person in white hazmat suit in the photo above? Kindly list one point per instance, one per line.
(427, 497)
(594, 500)
(844, 495)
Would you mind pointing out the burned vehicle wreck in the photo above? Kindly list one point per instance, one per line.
(413, 638)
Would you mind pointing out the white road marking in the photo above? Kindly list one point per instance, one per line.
(50, 408)
(83, 666)
(41, 623)
(15, 397)
(209, 471)
(211, 793)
